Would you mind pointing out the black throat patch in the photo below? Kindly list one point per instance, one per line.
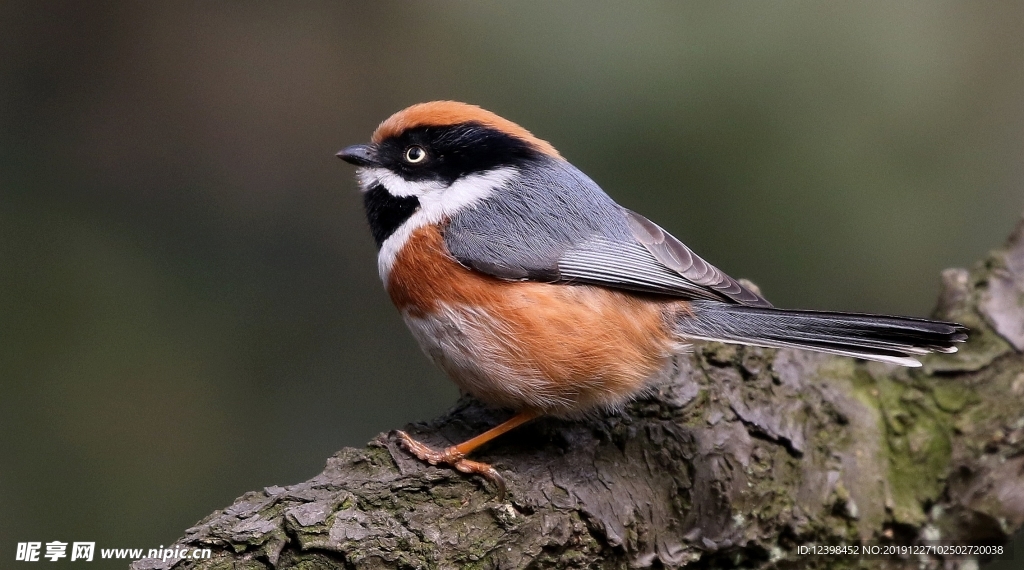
(386, 212)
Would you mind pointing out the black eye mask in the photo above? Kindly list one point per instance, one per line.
(454, 152)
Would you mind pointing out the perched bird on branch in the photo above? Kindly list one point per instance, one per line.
(535, 291)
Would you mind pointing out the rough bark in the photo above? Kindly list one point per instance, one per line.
(735, 460)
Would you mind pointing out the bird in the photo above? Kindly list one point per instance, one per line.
(535, 291)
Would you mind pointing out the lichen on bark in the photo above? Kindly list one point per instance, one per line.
(734, 459)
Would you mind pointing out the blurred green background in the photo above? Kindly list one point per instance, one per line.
(189, 300)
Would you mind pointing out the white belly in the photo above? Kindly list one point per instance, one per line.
(472, 348)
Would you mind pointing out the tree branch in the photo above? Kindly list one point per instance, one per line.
(736, 458)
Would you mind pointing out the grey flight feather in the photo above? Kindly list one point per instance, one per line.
(673, 254)
(555, 224)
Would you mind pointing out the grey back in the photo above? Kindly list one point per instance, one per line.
(553, 223)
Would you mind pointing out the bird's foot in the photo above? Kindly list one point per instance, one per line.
(452, 456)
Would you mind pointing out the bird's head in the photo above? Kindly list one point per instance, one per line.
(433, 159)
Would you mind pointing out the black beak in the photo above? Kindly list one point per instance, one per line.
(359, 155)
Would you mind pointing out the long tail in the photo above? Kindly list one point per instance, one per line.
(873, 337)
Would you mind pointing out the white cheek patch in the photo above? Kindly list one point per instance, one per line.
(437, 202)
(396, 185)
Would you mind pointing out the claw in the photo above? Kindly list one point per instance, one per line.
(452, 456)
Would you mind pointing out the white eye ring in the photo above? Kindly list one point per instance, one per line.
(415, 154)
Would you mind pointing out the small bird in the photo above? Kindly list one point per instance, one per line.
(535, 291)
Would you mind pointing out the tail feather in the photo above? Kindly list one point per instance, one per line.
(873, 337)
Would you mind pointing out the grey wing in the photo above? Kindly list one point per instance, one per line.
(581, 235)
(674, 255)
(653, 261)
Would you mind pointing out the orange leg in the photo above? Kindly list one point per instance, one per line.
(456, 454)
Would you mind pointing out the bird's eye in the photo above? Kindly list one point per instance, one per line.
(415, 154)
